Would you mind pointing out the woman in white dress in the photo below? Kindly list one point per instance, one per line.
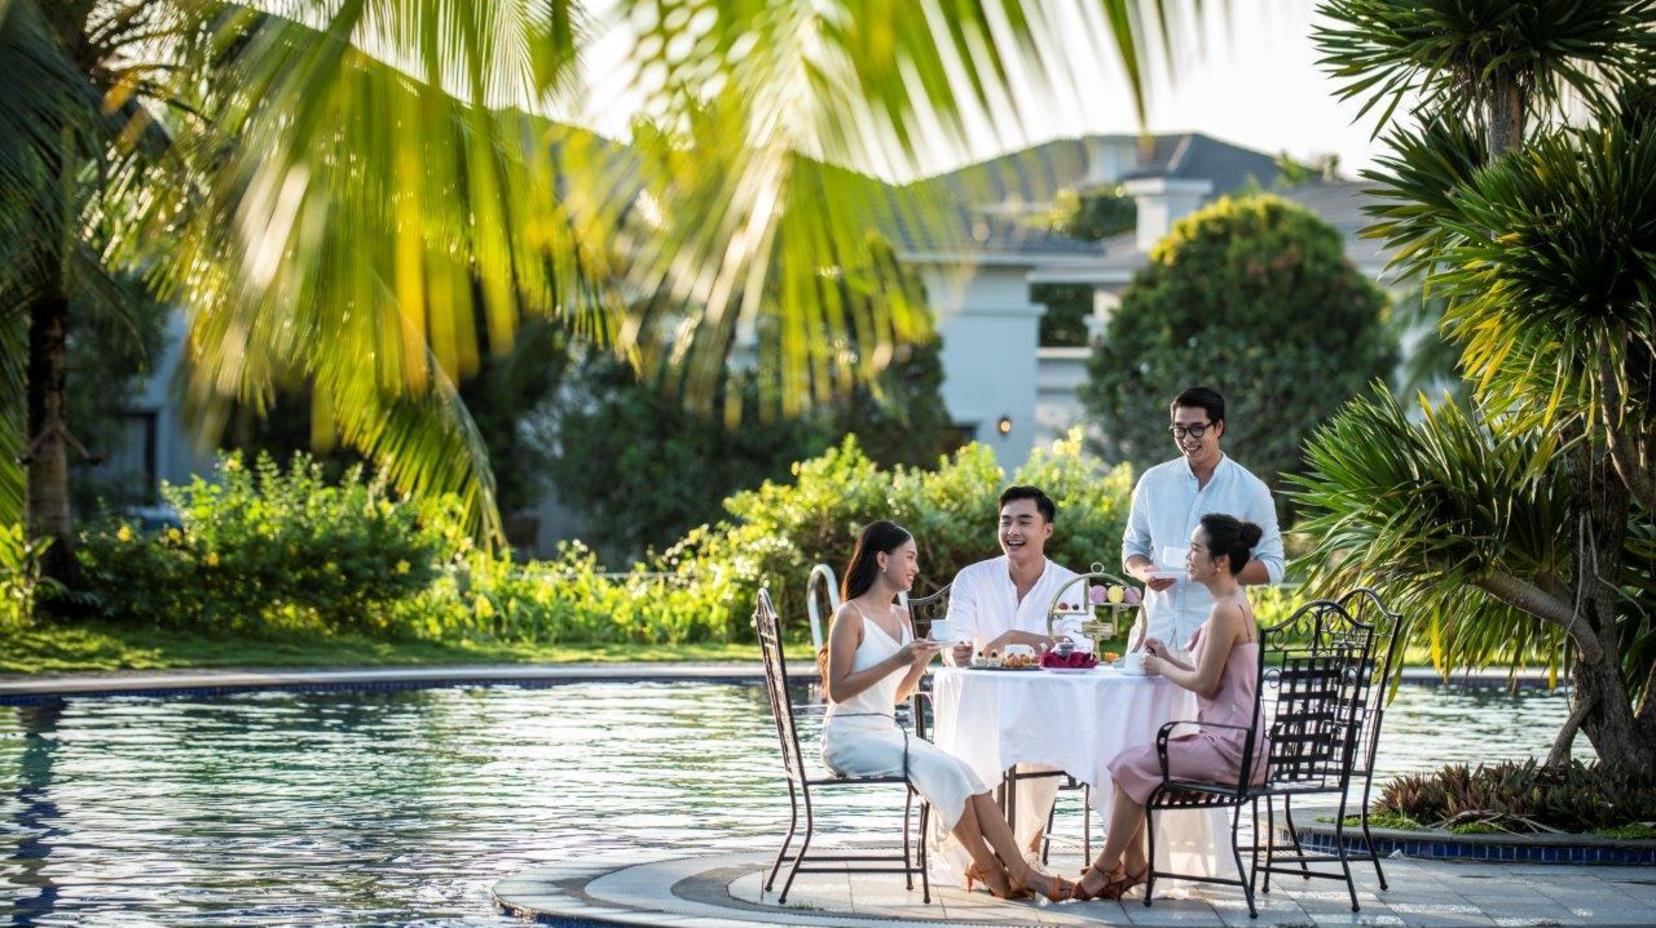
(874, 663)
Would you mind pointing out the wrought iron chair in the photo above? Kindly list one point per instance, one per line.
(1314, 674)
(800, 782)
(1360, 603)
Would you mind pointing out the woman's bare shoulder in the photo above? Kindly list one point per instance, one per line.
(848, 614)
(1229, 616)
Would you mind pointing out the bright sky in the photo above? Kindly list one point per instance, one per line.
(1255, 83)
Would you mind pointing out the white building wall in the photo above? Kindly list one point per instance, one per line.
(179, 456)
(1060, 374)
(990, 330)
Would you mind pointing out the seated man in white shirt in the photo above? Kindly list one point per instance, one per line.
(1169, 503)
(1005, 600)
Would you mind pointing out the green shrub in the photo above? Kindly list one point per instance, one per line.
(568, 599)
(264, 547)
(1522, 797)
(21, 583)
(778, 531)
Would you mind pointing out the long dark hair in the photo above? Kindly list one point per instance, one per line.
(1231, 537)
(882, 537)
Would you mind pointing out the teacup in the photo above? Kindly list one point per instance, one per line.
(1133, 662)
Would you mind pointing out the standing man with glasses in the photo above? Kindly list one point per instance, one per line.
(1169, 503)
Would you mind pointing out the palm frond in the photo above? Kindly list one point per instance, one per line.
(1418, 182)
(1429, 511)
(1550, 268)
(1448, 55)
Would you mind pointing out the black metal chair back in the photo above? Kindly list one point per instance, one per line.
(776, 686)
(923, 611)
(1360, 602)
(1364, 602)
(1317, 670)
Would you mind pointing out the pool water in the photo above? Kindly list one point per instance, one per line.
(402, 808)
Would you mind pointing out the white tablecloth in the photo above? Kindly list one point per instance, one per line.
(1077, 722)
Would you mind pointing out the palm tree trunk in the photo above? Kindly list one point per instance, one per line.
(48, 460)
(1622, 741)
(1505, 108)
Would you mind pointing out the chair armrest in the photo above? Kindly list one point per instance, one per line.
(1163, 736)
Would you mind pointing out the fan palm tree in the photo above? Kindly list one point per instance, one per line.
(1524, 523)
(362, 197)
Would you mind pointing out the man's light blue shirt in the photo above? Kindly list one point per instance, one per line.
(1167, 507)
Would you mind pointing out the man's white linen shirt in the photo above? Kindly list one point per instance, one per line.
(983, 601)
(1167, 507)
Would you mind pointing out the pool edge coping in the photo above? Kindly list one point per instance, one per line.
(28, 690)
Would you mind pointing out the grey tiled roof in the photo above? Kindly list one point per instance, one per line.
(1034, 176)
(1340, 204)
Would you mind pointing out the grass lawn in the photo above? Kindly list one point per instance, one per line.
(95, 646)
(105, 646)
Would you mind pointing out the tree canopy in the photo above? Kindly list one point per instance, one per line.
(1254, 297)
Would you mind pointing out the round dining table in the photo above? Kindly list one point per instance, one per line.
(1076, 722)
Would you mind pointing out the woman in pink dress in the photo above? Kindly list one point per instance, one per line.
(1224, 675)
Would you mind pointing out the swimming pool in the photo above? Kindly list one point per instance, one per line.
(403, 807)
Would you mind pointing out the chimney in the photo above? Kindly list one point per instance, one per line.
(1107, 160)
(1163, 201)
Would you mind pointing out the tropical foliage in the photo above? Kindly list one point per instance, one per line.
(263, 549)
(21, 583)
(268, 551)
(1523, 797)
(319, 182)
(1524, 197)
(1252, 296)
(642, 470)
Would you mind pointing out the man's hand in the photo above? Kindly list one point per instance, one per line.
(1040, 643)
(961, 654)
(1141, 568)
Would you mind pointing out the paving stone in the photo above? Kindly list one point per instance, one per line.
(1424, 895)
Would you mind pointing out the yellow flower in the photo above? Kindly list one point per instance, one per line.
(174, 535)
(124, 533)
(483, 608)
(402, 567)
(212, 559)
(330, 567)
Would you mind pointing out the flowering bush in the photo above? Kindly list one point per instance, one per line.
(266, 547)
(778, 531)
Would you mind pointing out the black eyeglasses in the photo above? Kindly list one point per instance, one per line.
(1194, 431)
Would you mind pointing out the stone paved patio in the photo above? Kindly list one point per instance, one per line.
(723, 891)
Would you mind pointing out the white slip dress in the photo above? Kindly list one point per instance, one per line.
(861, 737)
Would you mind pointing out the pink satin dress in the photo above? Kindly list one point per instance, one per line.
(1205, 755)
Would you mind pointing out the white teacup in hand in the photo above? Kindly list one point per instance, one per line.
(1133, 662)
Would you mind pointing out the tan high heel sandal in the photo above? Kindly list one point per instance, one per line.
(1061, 888)
(975, 874)
(1081, 895)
